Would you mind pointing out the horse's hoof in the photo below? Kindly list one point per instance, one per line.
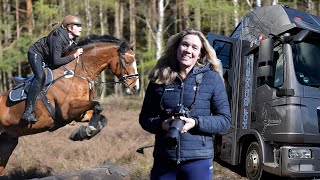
(79, 134)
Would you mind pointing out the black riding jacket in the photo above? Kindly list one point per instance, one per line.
(54, 47)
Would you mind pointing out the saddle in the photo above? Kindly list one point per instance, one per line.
(21, 86)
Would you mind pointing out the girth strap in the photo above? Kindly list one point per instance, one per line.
(58, 122)
(47, 104)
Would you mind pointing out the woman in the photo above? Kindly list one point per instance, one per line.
(51, 51)
(185, 85)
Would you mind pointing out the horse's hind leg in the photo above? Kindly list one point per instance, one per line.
(7, 145)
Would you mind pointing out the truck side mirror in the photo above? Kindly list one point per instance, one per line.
(265, 58)
(265, 52)
(301, 36)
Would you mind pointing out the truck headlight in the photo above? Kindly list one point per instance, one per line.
(300, 153)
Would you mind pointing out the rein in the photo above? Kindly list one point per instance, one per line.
(120, 66)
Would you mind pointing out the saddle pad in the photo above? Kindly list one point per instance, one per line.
(19, 93)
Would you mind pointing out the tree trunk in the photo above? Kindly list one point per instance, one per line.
(184, 15)
(219, 19)
(6, 21)
(18, 33)
(159, 34)
(318, 8)
(176, 14)
(258, 3)
(274, 2)
(133, 22)
(250, 5)
(154, 19)
(3, 81)
(6, 82)
(9, 79)
(227, 31)
(117, 34)
(197, 14)
(310, 7)
(116, 20)
(101, 19)
(102, 32)
(62, 8)
(29, 16)
(235, 12)
(1, 47)
(88, 16)
(265, 2)
(295, 4)
(121, 18)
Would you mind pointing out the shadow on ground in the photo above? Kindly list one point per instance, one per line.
(35, 172)
(106, 171)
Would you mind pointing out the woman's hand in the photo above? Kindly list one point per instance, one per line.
(189, 123)
(166, 123)
(78, 52)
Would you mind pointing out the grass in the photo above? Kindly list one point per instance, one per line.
(52, 153)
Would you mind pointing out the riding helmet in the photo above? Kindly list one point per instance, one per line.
(71, 20)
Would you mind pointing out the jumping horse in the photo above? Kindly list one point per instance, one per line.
(69, 95)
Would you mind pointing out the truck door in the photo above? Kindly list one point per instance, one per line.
(225, 47)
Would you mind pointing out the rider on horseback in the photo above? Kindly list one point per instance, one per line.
(50, 50)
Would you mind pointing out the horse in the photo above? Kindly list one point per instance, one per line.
(69, 95)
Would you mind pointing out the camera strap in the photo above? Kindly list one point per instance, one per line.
(198, 82)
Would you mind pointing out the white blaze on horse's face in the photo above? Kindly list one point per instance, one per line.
(134, 64)
(135, 68)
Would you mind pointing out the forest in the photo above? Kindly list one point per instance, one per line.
(146, 23)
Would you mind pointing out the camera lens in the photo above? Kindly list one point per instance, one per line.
(173, 133)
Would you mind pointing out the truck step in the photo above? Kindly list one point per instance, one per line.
(272, 165)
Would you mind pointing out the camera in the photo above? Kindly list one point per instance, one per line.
(173, 135)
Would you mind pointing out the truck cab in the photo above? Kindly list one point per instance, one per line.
(272, 72)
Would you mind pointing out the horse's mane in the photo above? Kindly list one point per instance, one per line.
(93, 38)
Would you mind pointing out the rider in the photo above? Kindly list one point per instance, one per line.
(51, 50)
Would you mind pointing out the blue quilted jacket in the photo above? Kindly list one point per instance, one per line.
(208, 104)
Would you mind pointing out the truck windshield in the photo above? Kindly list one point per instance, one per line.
(306, 62)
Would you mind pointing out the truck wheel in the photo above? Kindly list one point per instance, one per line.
(254, 162)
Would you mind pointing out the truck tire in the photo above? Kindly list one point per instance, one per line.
(253, 164)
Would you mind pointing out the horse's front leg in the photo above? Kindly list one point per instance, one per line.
(96, 123)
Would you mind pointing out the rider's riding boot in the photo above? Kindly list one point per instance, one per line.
(30, 102)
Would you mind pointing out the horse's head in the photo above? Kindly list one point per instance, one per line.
(101, 52)
(126, 68)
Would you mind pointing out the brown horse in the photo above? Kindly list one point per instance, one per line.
(68, 96)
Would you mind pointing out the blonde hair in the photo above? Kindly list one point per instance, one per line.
(167, 67)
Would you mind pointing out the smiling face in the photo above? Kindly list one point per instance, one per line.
(188, 52)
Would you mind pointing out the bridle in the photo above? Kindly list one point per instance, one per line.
(122, 67)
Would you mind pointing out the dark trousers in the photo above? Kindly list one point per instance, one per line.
(186, 170)
(35, 61)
